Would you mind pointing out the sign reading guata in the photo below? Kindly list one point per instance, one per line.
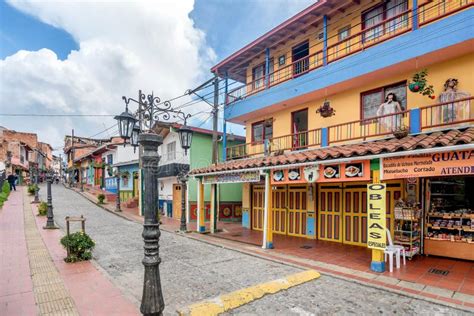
(453, 163)
(376, 223)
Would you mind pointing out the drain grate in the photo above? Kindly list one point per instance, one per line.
(438, 271)
(306, 247)
(236, 235)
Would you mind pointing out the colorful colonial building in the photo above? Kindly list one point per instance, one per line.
(348, 93)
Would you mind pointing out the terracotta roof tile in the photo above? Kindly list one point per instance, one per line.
(411, 142)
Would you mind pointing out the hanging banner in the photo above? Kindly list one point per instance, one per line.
(376, 221)
(232, 177)
(453, 163)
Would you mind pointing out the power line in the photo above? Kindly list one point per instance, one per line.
(54, 115)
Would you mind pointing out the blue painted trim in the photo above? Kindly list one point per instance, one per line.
(415, 121)
(325, 40)
(310, 226)
(324, 137)
(447, 32)
(269, 245)
(245, 219)
(377, 266)
(267, 67)
(414, 10)
(202, 229)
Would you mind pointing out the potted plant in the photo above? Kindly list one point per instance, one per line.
(401, 132)
(110, 170)
(79, 246)
(101, 198)
(42, 208)
(326, 110)
(419, 84)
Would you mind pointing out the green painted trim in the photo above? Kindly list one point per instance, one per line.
(375, 164)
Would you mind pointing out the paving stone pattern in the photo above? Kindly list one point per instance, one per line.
(50, 293)
(192, 271)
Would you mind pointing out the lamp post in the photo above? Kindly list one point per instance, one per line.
(36, 200)
(150, 110)
(183, 178)
(117, 199)
(50, 214)
(82, 179)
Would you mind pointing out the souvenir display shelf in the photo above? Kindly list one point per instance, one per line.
(449, 223)
(407, 229)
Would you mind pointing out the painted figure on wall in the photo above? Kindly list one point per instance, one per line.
(390, 106)
(455, 111)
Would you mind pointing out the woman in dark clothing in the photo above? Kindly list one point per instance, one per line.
(12, 180)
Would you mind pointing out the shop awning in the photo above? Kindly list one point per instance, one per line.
(411, 144)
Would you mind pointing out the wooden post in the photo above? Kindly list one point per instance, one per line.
(201, 228)
(378, 259)
(268, 214)
(213, 208)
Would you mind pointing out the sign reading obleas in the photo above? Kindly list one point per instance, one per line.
(376, 218)
(452, 163)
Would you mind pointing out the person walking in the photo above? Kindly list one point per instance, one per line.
(12, 181)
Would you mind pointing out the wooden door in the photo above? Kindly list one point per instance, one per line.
(355, 214)
(297, 211)
(258, 195)
(279, 203)
(136, 184)
(330, 212)
(177, 201)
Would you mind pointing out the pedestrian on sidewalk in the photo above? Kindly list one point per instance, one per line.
(12, 181)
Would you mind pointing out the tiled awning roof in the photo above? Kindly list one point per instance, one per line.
(409, 143)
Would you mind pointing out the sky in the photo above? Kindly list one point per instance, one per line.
(80, 58)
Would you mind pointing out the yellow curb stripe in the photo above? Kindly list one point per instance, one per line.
(241, 297)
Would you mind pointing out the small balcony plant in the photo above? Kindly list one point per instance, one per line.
(419, 84)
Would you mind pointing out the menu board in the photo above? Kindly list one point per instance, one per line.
(354, 171)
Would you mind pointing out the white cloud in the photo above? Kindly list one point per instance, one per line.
(123, 47)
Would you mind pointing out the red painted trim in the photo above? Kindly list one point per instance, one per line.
(273, 31)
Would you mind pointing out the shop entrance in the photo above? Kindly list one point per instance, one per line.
(343, 211)
(258, 194)
(289, 207)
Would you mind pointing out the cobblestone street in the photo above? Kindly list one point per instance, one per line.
(193, 270)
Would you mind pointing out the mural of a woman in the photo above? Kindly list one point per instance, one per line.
(390, 106)
(455, 111)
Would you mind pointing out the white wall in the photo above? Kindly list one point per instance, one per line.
(125, 154)
(162, 150)
(165, 187)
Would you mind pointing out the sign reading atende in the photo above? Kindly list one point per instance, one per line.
(453, 163)
(376, 223)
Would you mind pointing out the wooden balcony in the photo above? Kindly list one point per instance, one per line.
(459, 113)
(387, 29)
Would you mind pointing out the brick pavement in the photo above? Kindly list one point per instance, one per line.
(35, 280)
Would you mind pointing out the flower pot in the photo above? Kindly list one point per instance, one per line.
(416, 86)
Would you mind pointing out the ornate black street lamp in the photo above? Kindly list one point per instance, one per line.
(36, 200)
(183, 178)
(50, 214)
(117, 198)
(150, 111)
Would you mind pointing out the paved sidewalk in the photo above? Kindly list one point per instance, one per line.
(16, 287)
(35, 280)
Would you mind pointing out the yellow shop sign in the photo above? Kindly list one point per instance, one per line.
(377, 238)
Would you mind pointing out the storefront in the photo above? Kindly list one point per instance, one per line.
(445, 182)
(322, 194)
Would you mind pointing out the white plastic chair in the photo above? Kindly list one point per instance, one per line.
(394, 250)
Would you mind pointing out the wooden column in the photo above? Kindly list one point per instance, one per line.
(268, 214)
(213, 208)
(201, 226)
